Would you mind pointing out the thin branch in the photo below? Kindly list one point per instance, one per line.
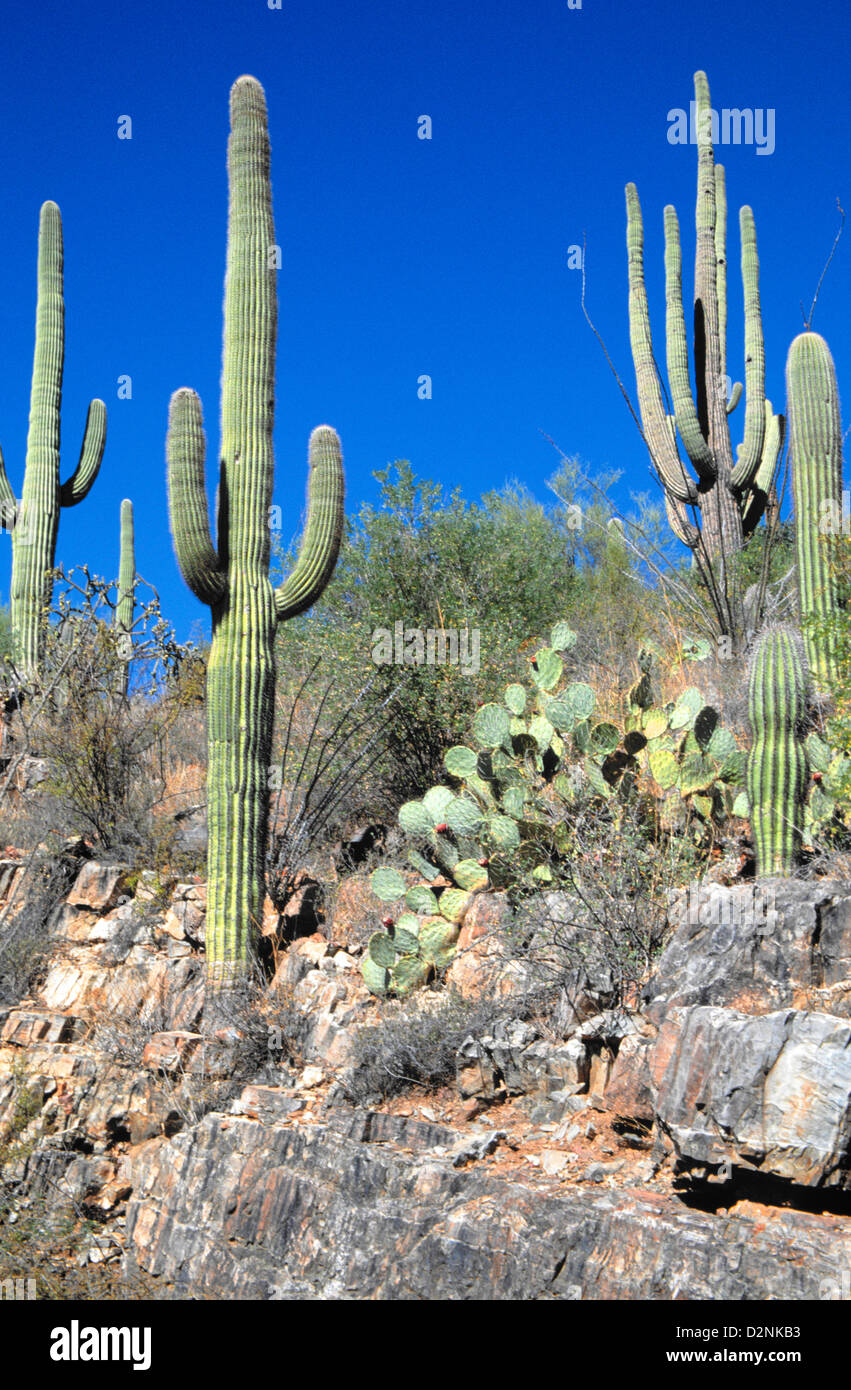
(808, 322)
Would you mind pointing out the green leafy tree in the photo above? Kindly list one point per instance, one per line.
(504, 567)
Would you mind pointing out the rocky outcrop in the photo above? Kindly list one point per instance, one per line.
(599, 1152)
(749, 1064)
(757, 947)
(367, 1206)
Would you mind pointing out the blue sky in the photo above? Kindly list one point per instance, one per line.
(401, 256)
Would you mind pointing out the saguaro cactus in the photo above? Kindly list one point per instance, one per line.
(35, 522)
(777, 763)
(233, 577)
(126, 599)
(815, 455)
(715, 513)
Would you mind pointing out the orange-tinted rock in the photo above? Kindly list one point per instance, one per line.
(170, 1051)
(98, 885)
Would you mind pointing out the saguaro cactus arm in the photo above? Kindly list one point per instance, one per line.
(323, 530)
(187, 496)
(126, 599)
(682, 400)
(663, 448)
(75, 488)
(749, 452)
(756, 497)
(8, 500)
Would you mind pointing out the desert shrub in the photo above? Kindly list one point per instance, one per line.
(433, 563)
(327, 754)
(414, 1046)
(105, 749)
(604, 916)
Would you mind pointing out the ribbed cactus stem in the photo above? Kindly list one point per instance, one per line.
(126, 598)
(728, 497)
(815, 455)
(777, 763)
(233, 576)
(36, 521)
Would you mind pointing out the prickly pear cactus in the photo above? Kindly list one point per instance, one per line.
(415, 946)
(534, 755)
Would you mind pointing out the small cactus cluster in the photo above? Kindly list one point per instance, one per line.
(548, 736)
(689, 754)
(829, 776)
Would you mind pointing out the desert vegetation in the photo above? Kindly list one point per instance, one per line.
(568, 709)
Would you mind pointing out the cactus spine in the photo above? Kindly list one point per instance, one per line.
(777, 763)
(815, 454)
(35, 522)
(126, 597)
(714, 514)
(233, 576)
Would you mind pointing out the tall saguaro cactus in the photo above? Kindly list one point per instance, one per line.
(714, 512)
(35, 522)
(233, 576)
(815, 456)
(126, 598)
(777, 762)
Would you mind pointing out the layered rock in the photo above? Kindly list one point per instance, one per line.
(750, 1063)
(736, 1069)
(367, 1207)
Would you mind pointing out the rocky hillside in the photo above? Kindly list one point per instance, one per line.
(693, 1147)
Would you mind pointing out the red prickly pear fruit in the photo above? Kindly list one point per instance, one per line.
(441, 829)
(483, 863)
(817, 776)
(387, 921)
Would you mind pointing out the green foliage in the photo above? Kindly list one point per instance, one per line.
(528, 779)
(436, 564)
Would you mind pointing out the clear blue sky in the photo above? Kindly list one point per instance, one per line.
(400, 256)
